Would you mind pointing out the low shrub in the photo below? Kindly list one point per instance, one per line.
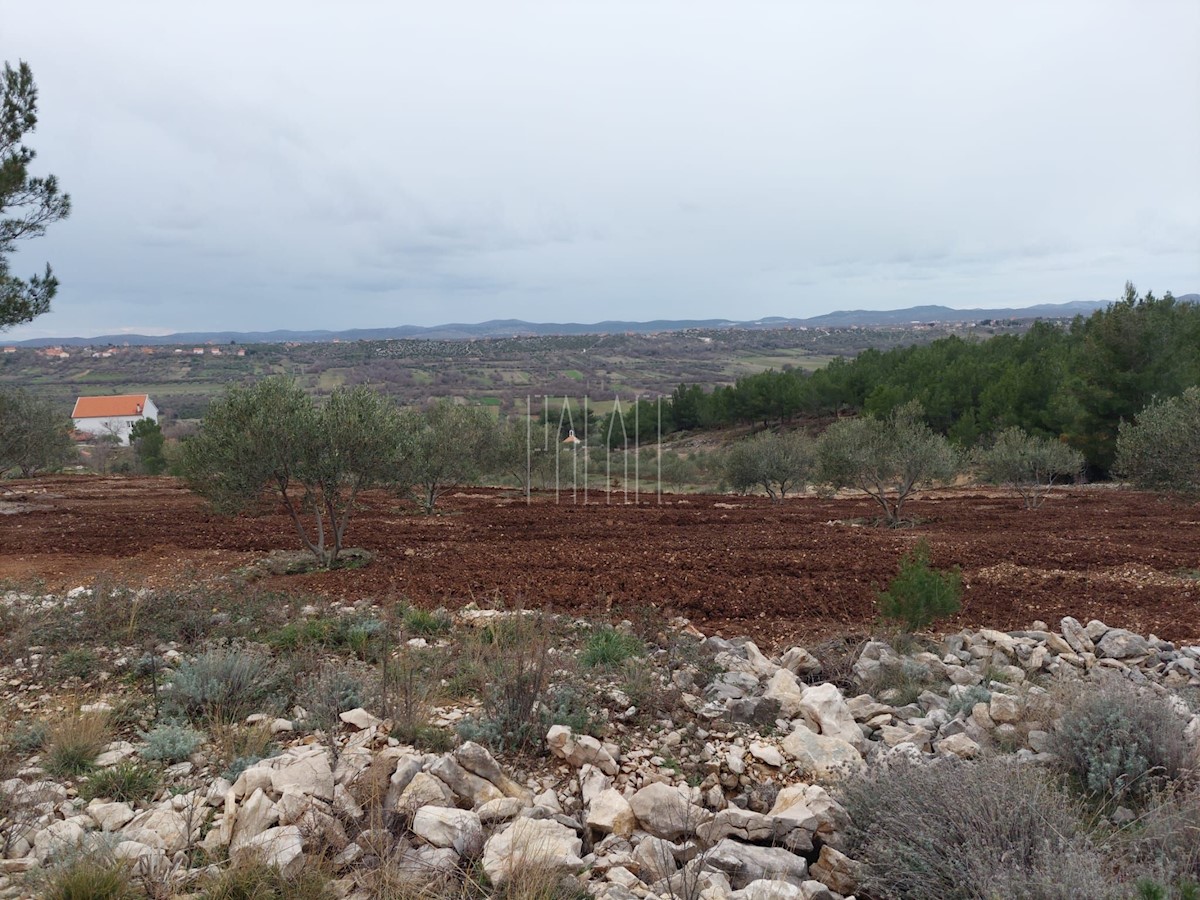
(80, 663)
(89, 878)
(609, 648)
(899, 684)
(515, 655)
(968, 699)
(429, 738)
(1164, 843)
(171, 743)
(1117, 741)
(954, 830)
(225, 685)
(920, 595)
(28, 737)
(126, 782)
(74, 741)
(239, 747)
(258, 881)
(328, 693)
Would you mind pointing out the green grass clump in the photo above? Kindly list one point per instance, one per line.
(608, 648)
(425, 623)
(262, 882)
(920, 595)
(361, 636)
(125, 782)
(90, 879)
(73, 743)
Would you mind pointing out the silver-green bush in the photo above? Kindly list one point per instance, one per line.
(954, 830)
(1121, 742)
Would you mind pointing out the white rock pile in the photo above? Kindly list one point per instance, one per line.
(755, 818)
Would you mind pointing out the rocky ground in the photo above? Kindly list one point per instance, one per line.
(693, 767)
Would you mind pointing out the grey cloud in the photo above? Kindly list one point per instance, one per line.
(239, 164)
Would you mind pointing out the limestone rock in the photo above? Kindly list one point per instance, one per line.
(836, 870)
(1004, 708)
(783, 687)
(281, 847)
(500, 810)
(745, 863)
(769, 889)
(305, 769)
(360, 719)
(610, 813)
(532, 842)
(741, 824)
(148, 860)
(825, 705)
(667, 812)
(801, 662)
(423, 790)
(60, 838)
(476, 759)
(466, 785)
(580, 750)
(822, 757)
(1076, 635)
(958, 745)
(162, 828)
(250, 819)
(110, 816)
(761, 666)
(767, 754)
(900, 734)
(1118, 643)
(407, 768)
(655, 859)
(456, 829)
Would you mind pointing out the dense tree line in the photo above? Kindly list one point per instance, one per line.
(1075, 383)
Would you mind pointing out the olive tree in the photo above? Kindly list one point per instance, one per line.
(775, 462)
(34, 435)
(1160, 449)
(1029, 465)
(148, 442)
(888, 458)
(450, 444)
(315, 459)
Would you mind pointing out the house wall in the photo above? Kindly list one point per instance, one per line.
(118, 425)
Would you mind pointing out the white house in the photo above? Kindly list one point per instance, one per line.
(113, 415)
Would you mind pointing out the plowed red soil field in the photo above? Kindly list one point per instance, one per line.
(804, 569)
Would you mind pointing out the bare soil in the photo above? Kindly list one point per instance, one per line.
(806, 569)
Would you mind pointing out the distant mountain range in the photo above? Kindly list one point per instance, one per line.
(500, 328)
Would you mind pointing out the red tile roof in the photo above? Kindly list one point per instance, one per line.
(100, 407)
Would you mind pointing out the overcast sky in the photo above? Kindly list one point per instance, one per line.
(260, 165)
